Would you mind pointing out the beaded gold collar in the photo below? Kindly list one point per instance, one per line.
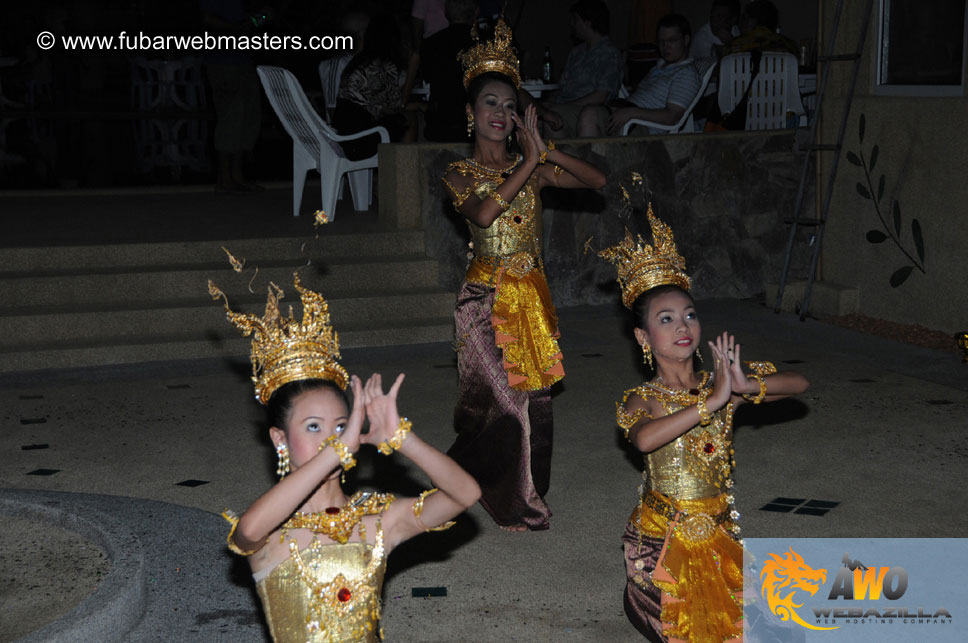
(491, 173)
(337, 523)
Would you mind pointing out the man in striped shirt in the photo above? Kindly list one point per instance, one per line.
(663, 94)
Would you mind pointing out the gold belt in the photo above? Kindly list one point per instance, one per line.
(695, 527)
(660, 506)
(518, 264)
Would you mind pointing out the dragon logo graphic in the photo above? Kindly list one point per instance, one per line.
(782, 576)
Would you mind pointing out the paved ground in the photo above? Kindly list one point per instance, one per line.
(878, 430)
(112, 479)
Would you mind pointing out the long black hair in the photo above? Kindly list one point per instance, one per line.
(640, 307)
(476, 86)
(280, 404)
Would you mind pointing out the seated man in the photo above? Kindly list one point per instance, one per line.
(710, 39)
(662, 96)
(592, 73)
(758, 25)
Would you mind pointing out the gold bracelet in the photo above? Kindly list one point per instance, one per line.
(559, 170)
(232, 518)
(542, 157)
(418, 509)
(704, 417)
(551, 145)
(500, 200)
(346, 459)
(394, 443)
(762, 393)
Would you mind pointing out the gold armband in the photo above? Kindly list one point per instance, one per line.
(232, 518)
(394, 443)
(762, 394)
(418, 509)
(559, 170)
(704, 417)
(500, 200)
(627, 420)
(346, 459)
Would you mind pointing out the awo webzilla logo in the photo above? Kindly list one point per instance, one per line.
(788, 581)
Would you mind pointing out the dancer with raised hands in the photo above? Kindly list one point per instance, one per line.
(318, 556)
(506, 325)
(683, 553)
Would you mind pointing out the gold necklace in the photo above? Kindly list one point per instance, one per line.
(337, 523)
(491, 172)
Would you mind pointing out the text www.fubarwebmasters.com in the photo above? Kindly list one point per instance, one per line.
(125, 41)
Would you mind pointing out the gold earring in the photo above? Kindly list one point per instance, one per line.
(282, 453)
(647, 354)
(470, 125)
(699, 355)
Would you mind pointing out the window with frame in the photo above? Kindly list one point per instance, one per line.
(921, 48)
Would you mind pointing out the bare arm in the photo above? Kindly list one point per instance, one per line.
(778, 385)
(577, 174)
(457, 489)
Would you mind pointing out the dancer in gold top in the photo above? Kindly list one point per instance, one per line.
(507, 329)
(318, 556)
(682, 551)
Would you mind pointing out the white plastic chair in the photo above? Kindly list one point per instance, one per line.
(775, 92)
(685, 122)
(315, 145)
(330, 74)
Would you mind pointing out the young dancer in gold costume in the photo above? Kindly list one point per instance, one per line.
(507, 329)
(318, 556)
(682, 551)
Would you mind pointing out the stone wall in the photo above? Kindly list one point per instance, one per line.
(724, 195)
(922, 157)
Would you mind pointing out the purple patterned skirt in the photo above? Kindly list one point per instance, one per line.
(503, 435)
(643, 600)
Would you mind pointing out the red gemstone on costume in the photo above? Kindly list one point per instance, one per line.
(709, 448)
(343, 595)
(693, 391)
(332, 510)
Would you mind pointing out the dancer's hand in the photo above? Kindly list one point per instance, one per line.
(722, 380)
(528, 136)
(381, 409)
(731, 350)
(350, 435)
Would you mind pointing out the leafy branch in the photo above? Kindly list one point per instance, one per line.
(892, 232)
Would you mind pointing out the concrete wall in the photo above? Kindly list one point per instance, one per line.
(724, 195)
(922, 154)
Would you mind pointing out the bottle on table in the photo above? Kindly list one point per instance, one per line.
(546, 68)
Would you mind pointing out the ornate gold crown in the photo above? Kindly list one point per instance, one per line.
(285, 350)
(495, 55)
(642, 267)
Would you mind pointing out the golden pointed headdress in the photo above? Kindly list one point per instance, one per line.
(642, 267)
(285, 350)
(494, 55)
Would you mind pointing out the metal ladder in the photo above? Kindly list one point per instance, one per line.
(813, 146)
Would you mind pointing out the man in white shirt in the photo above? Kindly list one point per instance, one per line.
(710, 39)
(663, 95)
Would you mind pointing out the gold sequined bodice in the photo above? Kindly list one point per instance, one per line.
(326, 593)
(698, 463)
(516, 230)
